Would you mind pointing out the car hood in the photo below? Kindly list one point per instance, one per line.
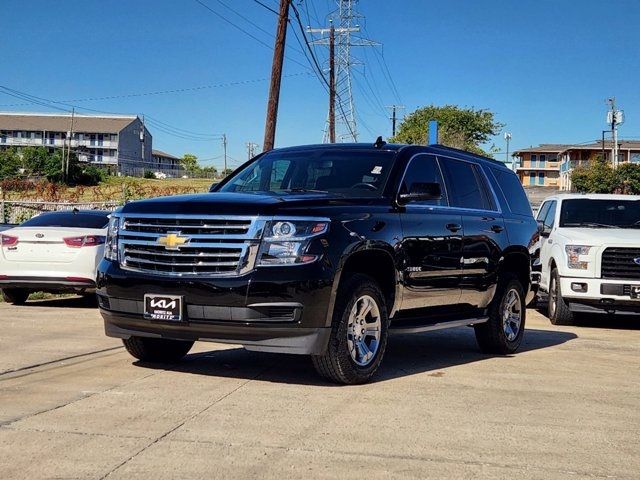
(223, 203)
(602, 236)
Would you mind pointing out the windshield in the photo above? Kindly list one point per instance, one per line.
(600, 213)
(342, 172)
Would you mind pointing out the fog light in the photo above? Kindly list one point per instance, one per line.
(579, 287)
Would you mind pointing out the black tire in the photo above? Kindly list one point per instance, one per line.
(15, 296)
(559, 313)
(491, 335)
(337, 364)
(158, 350)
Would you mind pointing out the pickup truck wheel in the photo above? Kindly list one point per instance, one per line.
(503, 332)
(559, 312)
(15, 296)
(158, 350)
(358, 333)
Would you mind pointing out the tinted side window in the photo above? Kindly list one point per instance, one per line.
(465, 188)
(513, 191)
(424, 169)
(551, 215)
(543, 211)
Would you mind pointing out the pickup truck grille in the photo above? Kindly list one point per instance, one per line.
(188, 245)
(620, 263)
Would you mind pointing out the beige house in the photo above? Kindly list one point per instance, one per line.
(539, 166)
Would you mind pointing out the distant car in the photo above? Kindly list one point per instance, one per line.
(590, 255)
(52, 252)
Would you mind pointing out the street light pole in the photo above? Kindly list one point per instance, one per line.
(507, 137)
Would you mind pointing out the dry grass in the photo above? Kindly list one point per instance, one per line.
(115, 189)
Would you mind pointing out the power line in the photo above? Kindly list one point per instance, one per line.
(167, 92)
(260, 41)
(266, 6)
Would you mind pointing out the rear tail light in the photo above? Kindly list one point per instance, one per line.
(86, 241)
(8, 240)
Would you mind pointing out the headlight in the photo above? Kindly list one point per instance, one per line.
(573, 256)
(111, 243)
(285, 242)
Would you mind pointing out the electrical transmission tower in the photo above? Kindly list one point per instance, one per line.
(344, 29)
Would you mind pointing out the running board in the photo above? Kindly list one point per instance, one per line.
(439, 326)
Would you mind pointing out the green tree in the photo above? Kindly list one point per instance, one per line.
(463, 128)
(10, 163)
(190, 163)
(34, 160)
(600, 177)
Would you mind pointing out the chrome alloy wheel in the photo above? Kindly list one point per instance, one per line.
(363, 330)
(512, 314)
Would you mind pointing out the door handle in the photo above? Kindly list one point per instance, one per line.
(497, 228)
(453, 227)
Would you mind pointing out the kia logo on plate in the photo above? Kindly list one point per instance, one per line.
(39, 235)
(636, 261)
(163, 304)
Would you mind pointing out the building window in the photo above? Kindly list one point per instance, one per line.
(532, 178)
(635, 157)
(541, 178)
(534, 160)
(543, 161)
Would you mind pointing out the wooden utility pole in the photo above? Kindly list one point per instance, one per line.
(66, 164)
(276, 76)
(332, 85)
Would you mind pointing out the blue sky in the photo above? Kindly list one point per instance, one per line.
(545, 67)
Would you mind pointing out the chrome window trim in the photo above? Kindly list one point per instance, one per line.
(446, 186)
(404, 174)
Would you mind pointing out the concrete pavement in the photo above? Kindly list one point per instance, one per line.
(73, 404)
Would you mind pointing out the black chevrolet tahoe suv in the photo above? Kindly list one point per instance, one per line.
(324, 251)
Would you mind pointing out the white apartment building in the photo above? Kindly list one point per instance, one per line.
(121, 144)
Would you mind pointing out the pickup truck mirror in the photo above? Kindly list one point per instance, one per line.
(420, 192)
(543, 230)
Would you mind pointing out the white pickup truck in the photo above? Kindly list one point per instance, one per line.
(590, 255)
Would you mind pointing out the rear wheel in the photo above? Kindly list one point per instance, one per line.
(158, 350)
(358, 333)
(15, 296)
(503, 332)
(559, 312)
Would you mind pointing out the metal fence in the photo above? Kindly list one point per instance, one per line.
(14, 212)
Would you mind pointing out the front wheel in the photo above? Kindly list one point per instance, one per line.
(503, 332)
(559, 312)
(15, 296)
(159, 350)
(358, 333)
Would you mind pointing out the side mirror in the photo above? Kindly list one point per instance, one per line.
(420, 192)
(543, 230)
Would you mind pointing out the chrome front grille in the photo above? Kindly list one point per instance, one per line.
(188, 245)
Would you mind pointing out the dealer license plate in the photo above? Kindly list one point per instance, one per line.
(163, 307)
(635, 291)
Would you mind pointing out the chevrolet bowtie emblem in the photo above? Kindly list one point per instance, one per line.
(172, 241)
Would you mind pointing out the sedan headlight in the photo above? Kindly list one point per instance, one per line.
(574, 252)
(285, 242)
(111, 243)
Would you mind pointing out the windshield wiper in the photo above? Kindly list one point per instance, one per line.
(310, 190)
(590, 224)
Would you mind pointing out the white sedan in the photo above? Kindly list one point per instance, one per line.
(52, 252)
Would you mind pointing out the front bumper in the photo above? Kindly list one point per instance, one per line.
(275, 309)
(598, 295)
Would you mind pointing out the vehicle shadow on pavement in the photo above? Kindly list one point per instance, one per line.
(76, 301)
(405, 355)
(602, 320)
